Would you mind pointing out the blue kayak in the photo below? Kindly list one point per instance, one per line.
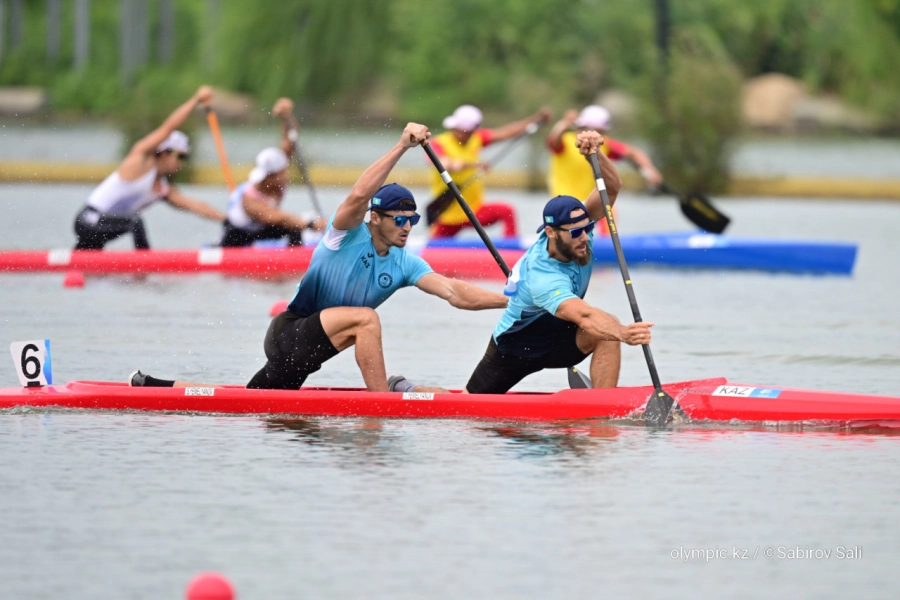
(701, 250)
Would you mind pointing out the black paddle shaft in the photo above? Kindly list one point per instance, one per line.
(465, 206)
(607, 209)
(440, 204)
(509, 147)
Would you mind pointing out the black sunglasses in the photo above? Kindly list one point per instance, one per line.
(576, 232)
(180, 155)
(401, 221)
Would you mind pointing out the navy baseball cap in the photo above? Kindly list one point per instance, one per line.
(559, 210)
(393, 196)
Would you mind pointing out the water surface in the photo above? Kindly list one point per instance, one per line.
(133, 505)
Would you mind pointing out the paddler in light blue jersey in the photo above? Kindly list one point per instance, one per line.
(547, 324)
(356, 266)
(346, 270)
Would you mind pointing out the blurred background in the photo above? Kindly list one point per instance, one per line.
(765, 98)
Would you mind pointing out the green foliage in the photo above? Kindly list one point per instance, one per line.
(311, 50)
(692, 117)
(507, 56)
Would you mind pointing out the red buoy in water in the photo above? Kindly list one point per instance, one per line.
(73, 279)
(209, 586)
(279, 307)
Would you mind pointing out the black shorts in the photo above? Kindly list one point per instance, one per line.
(499, 371)
(232, 237)
(94, 230)
(295, 347)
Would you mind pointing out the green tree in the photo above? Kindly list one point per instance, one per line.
(310, 50)
(693, 117)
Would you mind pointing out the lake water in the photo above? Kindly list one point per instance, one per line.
(133, 505)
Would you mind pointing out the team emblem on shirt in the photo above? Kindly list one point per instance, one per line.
(385, 280)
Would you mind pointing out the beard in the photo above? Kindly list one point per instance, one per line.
(570, 255)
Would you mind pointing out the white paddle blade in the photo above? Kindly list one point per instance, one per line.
(32, 362)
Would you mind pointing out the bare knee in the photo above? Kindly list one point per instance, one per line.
(369, 318)
(345, 325)
(369, 322)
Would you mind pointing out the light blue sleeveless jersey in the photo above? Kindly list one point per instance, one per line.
(537, 286)
(346, 271)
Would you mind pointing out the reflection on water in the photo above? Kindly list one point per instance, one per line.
(132, 505)
(545, 439)
(362, 435)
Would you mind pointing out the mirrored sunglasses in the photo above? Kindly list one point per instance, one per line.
(576, 232)
(400, 221)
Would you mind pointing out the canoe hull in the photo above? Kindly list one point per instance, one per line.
(708, 399)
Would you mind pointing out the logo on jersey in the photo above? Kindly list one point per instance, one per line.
(512, 283)
(385, 280)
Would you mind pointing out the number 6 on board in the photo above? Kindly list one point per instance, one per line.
(32, 361)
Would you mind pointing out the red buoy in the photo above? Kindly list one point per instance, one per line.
(73, 279)
(209, 586)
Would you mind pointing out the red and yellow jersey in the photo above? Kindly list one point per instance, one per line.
(446, 145)
(570, 173)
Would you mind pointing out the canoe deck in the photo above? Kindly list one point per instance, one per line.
(708, 399)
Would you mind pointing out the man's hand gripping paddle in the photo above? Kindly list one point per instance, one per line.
(659, 405)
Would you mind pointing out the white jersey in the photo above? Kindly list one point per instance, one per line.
(237, 216)
(116, 197)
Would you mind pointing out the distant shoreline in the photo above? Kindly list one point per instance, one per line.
(345, 176)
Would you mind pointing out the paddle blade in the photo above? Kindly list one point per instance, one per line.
(656, 414)
(578, 380)
(702, 213)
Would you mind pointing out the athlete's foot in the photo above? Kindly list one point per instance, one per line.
(399, 383)
(137, 379)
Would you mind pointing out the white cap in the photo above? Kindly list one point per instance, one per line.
(268, 161)
(464, 118)
(594, 117)
(176, 141)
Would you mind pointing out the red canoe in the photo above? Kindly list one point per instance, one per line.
(707, 399)
(464, 263)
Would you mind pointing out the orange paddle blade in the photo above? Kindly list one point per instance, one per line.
(213, 121)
